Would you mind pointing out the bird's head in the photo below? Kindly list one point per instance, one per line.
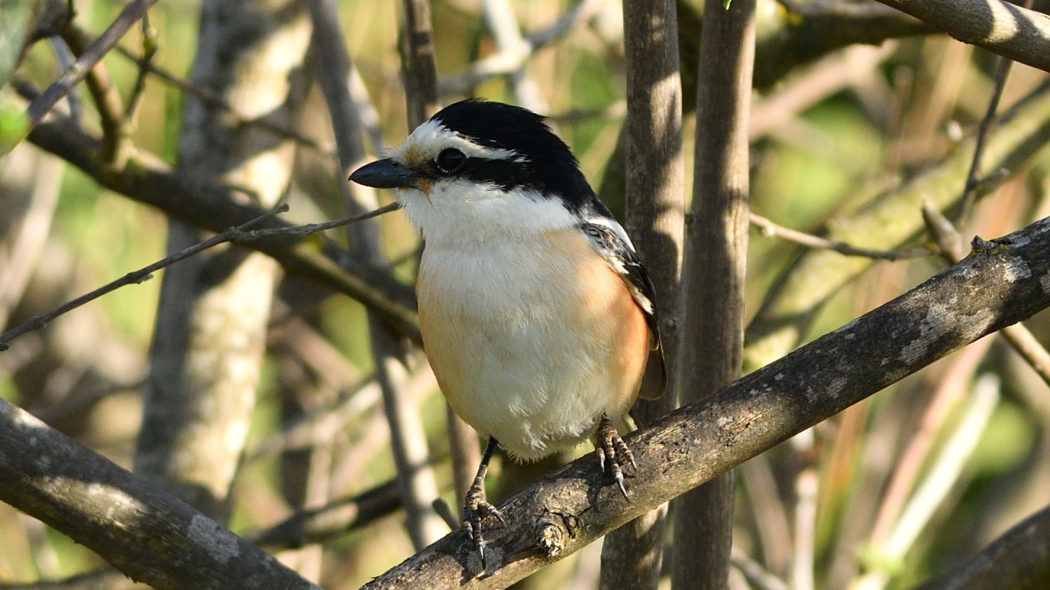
(477, 168)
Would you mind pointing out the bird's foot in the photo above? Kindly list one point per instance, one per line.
(610, 446)
(475, 509)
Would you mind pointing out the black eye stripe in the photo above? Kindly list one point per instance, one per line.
(503, 173)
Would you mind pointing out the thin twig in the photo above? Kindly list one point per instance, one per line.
(311, 228)
(970, 191)
(116, 134)
(756, 575)
(1021, 339)
(769, 228)
(66, 59)
(446, 513)
(149, 49)
(87, 60)
(969, 196)
(239, 234)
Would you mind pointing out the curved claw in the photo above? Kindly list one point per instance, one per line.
(476, 508)
(474, 511)
(609, 445)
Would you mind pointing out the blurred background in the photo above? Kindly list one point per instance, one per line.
(848, 135)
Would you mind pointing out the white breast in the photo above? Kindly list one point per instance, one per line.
(525, 337)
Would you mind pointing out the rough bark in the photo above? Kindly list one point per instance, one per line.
(632, 556)
(713, 276)
(146, 533)
(1019, 560)
(1009, 30)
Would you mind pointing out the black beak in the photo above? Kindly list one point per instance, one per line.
(386, 173)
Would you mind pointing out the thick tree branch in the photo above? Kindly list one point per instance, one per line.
(1016, 560)
(1000, 27)
(632, 556)
(146, 533)
(559, 514)
(713, 274)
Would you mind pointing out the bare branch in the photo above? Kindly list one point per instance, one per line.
(769, 228)
(1015, 560)
(149, 49)
(146, 533)
(632, 556)
(998, 26)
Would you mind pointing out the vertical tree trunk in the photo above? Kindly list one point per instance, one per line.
(632, 555)
(211, 324)
(715, 265)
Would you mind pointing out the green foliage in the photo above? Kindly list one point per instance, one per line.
(14, 124)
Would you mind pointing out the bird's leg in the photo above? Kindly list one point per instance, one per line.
(609, 445)
(475, 507)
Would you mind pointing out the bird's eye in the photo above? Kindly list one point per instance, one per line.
(450, 160)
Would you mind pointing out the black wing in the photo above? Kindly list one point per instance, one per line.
(611, 242)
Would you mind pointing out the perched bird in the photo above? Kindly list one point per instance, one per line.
(537, 316)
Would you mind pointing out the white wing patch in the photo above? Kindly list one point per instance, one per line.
(610, 240)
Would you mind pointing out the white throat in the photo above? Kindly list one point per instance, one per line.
(460, 212)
